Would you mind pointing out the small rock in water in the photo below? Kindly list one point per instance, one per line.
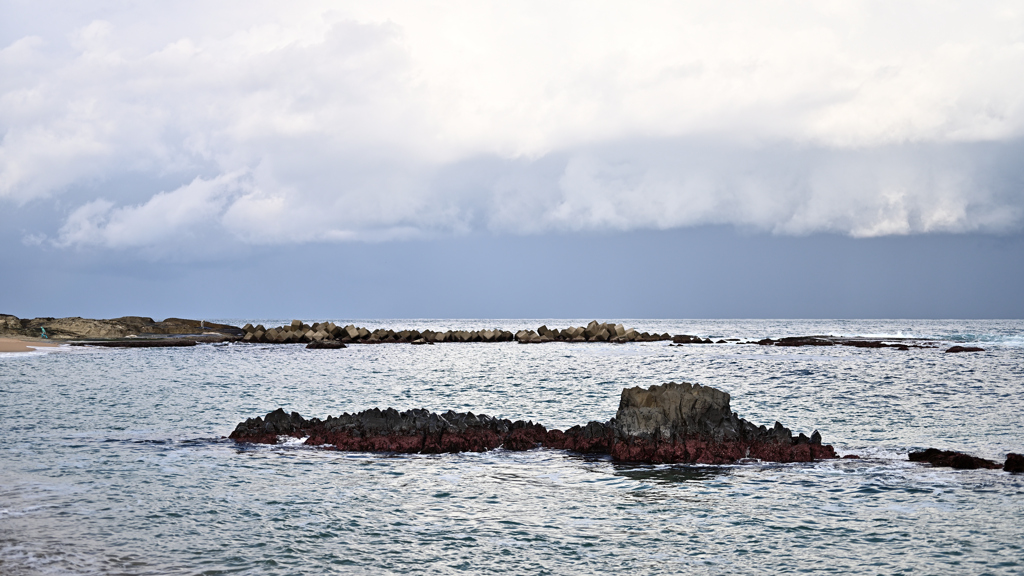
(952, 459)
(325, 345)
(955, 349)
(1014, 463)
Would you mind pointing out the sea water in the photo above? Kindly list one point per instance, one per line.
(115, 461)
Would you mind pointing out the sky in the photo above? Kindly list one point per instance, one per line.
(496, 159)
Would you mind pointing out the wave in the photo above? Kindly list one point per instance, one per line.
(958, 338)
(993, 339)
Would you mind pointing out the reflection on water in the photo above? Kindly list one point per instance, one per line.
(671, 474)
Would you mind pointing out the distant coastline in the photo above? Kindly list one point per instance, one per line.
(144, 332)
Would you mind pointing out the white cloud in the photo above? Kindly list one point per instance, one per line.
(390, 119)
(166, 217)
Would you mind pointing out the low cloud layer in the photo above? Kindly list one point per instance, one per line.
(329, 122)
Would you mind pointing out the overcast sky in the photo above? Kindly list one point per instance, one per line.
(138, 137)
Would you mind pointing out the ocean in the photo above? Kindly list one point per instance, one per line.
(115, 461)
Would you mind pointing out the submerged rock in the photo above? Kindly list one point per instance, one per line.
(854, 341)
(956, 349)
(667, 423)
(805, 341)
(951, 459)
(322, 344)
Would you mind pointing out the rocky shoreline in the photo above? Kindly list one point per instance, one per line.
(669, 423)
(75, 328)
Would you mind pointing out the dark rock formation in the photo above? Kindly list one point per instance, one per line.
(956, 349)
(667, 423)
(412, 431)
(951, 459)
(688, 339)
(805, 341)
(856, 342)
(325, 345)
(692, 423)
(1014, 463)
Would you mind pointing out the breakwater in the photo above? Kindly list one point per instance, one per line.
(300, 332)
(144, 332)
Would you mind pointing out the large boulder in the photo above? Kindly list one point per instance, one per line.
(693, 423)
(674, 411)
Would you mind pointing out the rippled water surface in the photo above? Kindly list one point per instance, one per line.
(114, 461)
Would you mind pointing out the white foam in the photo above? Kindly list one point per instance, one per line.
(291, 441)
(898, 335)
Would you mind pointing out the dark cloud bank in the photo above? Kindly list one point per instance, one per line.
(702, 272)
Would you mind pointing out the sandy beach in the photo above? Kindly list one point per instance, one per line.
(26, 345)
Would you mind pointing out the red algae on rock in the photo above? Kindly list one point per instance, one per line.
(692, 423)
(663, 424)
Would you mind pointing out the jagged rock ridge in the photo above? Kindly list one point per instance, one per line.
(667, 423)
